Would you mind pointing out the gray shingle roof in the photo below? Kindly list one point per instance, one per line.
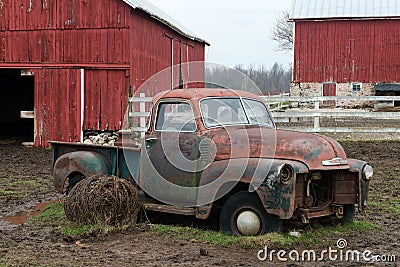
(163, 17)
(323, 9)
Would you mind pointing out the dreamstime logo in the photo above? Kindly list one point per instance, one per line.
(340, 253)
(173, 173)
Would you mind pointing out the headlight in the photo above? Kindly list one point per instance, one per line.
(285, 173)
(368, 172)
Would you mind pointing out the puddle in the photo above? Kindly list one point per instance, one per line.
(20, 217)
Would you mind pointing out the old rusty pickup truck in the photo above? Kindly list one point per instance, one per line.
(219, 150)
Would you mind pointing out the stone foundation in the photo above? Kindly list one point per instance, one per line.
(342, 89)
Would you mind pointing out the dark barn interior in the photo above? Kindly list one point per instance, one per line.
(17, 94)
(388, 89)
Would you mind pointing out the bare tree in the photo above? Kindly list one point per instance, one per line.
(282, 32)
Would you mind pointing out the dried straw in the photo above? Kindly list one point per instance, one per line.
(102, 199)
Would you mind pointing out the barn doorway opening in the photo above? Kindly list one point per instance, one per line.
(17, 94)
(388, 89)
(329, 89)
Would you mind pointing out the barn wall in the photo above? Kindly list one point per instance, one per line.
(61, 31)
(57, 105)
(347, 51)
(155, 47)
(63, 14)
(106, 99)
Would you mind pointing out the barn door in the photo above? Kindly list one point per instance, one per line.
(106, 99)
(329, 89)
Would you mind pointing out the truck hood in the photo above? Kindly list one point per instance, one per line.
(252, 142)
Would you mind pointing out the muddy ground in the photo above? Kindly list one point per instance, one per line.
(25, 179)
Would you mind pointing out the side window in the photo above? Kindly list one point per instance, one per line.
(356, 87)
(257, 112)
(175, 116)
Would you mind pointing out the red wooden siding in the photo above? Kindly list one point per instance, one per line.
(156, 47)
(65, 46)
(63, 14)
(106, 99)
(57, 105)
(347, 50)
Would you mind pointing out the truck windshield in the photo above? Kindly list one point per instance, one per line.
(234, 111)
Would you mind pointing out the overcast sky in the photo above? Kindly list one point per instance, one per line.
(239, 31)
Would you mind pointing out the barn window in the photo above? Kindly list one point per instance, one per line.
(356, 87)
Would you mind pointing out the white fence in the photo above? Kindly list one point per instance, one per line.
(363, 117)
(307, 119)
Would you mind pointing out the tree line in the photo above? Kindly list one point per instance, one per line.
(272, 80)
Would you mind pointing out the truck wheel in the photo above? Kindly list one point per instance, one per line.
(349, 213)
(243, 214)
(73, 180)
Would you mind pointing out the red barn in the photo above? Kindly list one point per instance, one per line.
(346, 47)
(76, 62)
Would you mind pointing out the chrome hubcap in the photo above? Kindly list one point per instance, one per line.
(248, 223)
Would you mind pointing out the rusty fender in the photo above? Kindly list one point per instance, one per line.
(358, 166)
(277, 198)
(85, 162)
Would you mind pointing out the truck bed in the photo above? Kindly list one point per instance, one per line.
(113, 155)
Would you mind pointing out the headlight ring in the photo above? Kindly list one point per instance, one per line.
(285, 173)
(368, 172)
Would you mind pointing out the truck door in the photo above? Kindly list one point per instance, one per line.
(170, 171)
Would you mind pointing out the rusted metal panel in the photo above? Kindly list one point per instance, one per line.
(170, 209)
(347, 50)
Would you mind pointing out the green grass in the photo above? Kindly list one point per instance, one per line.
(54, 215)
(79, 230)
(4, 192)
(322, 236)
(316, 237)
(3, 263)
(27, 183)
(390, 206)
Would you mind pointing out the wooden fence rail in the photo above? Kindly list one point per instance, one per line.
(362, 116)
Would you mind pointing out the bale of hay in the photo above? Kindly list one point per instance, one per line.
(102, 199)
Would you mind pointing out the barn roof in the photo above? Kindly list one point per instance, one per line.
(325, 9)
(164, 18)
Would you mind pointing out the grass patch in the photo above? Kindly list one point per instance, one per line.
(3, 263)
(54, 215)
(389, 206)
(320, 237)
(5, 192)
(27, 183)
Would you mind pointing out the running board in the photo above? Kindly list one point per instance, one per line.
(170, 209)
